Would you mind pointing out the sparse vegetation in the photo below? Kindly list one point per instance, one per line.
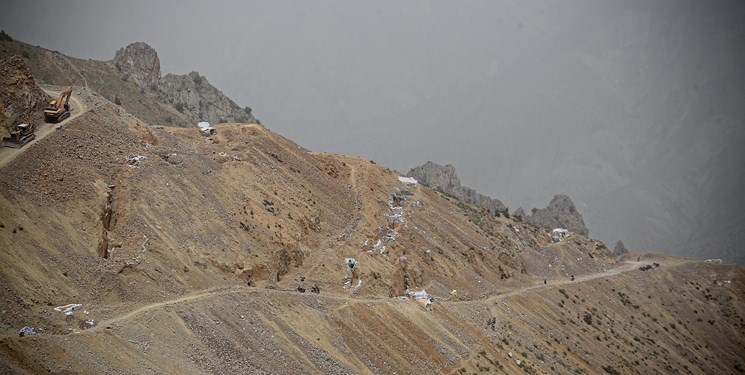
(5, 37)
(609, 369)
(587, 318)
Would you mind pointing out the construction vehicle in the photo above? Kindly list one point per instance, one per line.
(19, 136)
(57, 111)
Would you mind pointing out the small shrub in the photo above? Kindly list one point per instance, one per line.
(609, 369)
(180, 107)
(587, 318)
(5, 36)
(26, 55)
(117, 101)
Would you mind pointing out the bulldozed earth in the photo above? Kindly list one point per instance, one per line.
(225, 254)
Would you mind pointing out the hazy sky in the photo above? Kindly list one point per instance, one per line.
(635, 108)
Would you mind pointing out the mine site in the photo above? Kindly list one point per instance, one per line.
(150, 224)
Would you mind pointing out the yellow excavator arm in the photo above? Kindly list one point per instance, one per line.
(57, 110)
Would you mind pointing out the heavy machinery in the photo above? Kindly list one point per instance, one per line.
(19, 136)
(57, 111)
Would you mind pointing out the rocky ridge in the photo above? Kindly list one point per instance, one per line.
(21, 98)
(445, 179)
(560, 213)
(140, 63)
(190, 94)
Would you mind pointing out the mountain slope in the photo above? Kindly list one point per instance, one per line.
(191, 260)
(192, 100)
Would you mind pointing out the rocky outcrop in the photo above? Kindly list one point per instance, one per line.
(620, 249)
(560, 213)
(444, 178)
(21, 99)
(519, 213)
(140, 63)
(194, 96)
(190, 94)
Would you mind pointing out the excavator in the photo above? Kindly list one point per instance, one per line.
(56, 111)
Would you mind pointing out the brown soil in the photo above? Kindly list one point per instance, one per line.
(189, 261)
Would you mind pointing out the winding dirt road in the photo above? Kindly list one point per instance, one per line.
(628, 266)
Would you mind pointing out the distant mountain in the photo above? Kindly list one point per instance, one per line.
(133, 80)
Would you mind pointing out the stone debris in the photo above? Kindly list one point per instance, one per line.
(408, 181)
(206, 129)
(69, 309)
(30, 331)
(351, 273)
(134, 159)
(557, 234)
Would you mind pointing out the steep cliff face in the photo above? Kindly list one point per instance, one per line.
(191, 95)
(444, 178)
(560, 213)
(20, 96)
(140, 63)
(194, 96)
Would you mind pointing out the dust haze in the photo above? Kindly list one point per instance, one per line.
(632, 108)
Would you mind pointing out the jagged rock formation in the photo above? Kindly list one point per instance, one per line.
(193, 95)
(620, 249)
(560, 213)
(445, 179)
(140, 63)
(20, 98)
(190, 94)
(519, 213)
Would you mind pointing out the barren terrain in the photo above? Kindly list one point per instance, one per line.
(195, 254)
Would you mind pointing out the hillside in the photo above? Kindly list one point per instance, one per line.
(175, 99)
(195, 254)
(632, 108)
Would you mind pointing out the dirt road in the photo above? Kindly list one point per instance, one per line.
(7, 154)
(628, 266)
(213, 293)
